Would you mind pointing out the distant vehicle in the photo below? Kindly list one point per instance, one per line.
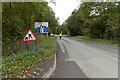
(51, 34)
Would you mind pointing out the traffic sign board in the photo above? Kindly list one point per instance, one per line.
(29, 36)
(41, 27)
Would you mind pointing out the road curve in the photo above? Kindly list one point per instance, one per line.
(95, 60)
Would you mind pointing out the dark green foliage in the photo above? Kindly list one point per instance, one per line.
(18, 18)
(15, 66)
(74, 23)
(98, 20)
(96, 28)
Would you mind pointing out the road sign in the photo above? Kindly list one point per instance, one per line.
(45, 29)
(29, 36)
(41, 27)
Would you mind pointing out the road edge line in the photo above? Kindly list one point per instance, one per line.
(50, 73)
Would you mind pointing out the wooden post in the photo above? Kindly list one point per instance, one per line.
(10, 5)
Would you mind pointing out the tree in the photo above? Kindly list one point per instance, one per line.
(99, 20)
(74, 23)
(19, 17)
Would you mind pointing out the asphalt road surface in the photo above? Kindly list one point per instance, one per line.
(79, 58)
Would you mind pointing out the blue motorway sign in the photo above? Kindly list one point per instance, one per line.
(44, 30)
(37, 30)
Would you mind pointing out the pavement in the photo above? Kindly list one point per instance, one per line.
(79, 58)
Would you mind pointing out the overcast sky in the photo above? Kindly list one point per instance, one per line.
(64, 8)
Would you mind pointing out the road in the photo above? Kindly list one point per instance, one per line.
(79, 58)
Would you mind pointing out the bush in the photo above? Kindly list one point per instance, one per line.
(94, 28)
(16, 64)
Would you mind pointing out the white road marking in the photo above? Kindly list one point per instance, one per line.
(61, 45)
(95, 62)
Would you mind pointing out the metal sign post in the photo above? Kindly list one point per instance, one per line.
(34, 48)
(47, 34)
(24, 47)
(41, 29)
(36, 45)
(29, 37)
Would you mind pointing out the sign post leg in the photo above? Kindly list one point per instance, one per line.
(36, 45)
(47, 34)
(41, 31)
(24, 46)
(34, 48)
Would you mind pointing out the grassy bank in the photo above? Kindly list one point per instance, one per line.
(17, 64)
(108, 42)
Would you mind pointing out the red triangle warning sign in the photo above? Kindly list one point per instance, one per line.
(29, 36)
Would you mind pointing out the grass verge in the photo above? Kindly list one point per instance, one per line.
(109, 42)
(17, 64)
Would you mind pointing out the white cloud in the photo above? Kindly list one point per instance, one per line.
(64, 8)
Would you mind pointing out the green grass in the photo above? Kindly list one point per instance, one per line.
(15, 65)
(0, 67)
(109, 42)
